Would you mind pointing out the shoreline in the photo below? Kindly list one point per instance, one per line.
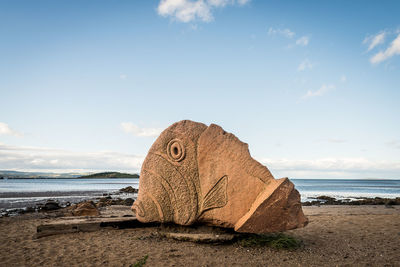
(14, 203)
(35, 201)
(352, 201)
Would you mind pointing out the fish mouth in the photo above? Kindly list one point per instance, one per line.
(137, 208)
(147, 209)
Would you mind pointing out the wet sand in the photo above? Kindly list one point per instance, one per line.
(336, 235)
(23, 200)
(17, 200)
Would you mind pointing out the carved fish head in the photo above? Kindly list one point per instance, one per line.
(169, 176)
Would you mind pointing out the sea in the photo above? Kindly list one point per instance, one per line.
(20, 193)
(347, 188)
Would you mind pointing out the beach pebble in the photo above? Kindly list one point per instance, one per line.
(87, 208)
(51, 205)
(128, 201)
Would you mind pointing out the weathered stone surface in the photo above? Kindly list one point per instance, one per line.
(194, 173)
(196, 233)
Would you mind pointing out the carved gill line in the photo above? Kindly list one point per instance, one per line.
(194, 206)
(192, 190)
(194, 144)
(160, 212)
(168, 206)
(174, 165)
(167, 187)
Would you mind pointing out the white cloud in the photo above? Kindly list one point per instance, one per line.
(57, 160)
(131, 128)
(343, 78)
(336, 141)
(187, 10)
(243, 2)
(392, 50)
(303, 41)
(333, 168)
(305, 64)
(375, 40)
(321, 91)
(123, 76)
(218, 3)
(394, 144)
(6, 130)
(283, 32)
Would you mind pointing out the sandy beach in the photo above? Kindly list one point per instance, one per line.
(336, 235)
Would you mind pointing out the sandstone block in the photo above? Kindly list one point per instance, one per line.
(195, 173)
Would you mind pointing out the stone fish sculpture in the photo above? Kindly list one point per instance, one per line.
(199, 174)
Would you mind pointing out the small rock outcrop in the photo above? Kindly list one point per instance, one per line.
(50, 205)
(87, 208)
(108, 201)
(195, 173)
(128, 189)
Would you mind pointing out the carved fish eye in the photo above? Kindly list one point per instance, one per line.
(175, 150)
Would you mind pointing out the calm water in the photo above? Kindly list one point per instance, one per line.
(21, 192)
(63, 185)
(347, 188)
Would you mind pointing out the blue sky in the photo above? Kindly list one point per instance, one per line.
(313, 87)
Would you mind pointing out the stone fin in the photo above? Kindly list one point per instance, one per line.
(217, 196)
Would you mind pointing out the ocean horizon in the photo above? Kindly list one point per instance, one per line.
(19, 193)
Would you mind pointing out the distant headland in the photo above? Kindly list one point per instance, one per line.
(5, 174)
(110, 175)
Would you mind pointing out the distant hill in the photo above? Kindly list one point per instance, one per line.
(37, 175)
(110, 175)
(48, 175)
